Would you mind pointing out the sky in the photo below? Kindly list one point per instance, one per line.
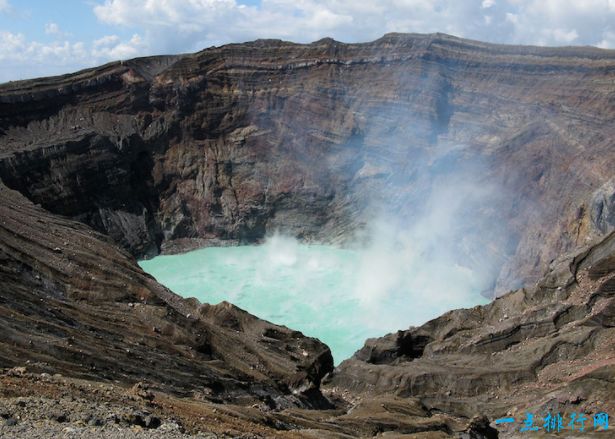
(49, 37)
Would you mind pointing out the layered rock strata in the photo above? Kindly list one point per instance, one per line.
(231, 143)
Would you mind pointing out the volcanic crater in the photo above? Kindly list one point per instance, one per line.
(165, 154)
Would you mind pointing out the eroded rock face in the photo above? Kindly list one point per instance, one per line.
(230, 143)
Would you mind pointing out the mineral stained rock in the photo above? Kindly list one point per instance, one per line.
(129, 159)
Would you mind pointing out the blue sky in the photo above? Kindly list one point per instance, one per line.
(39, 37)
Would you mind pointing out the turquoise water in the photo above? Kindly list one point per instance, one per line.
(340, 296)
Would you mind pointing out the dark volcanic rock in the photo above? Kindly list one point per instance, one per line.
(392, 346)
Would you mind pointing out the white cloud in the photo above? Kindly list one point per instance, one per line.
(52, 29)
(105, 41)
(487, 3)
(557, 22)
(608, 40)
(564, 36)
(4, 5)
(15, 47)
(512, 18)
(111, 47)
(22, 58)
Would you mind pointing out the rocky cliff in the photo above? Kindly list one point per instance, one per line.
(228, 144)
(232, 142)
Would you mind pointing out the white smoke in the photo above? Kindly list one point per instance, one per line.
(417, 263)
